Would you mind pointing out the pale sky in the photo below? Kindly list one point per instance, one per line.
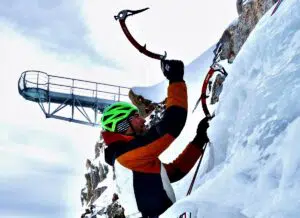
(42, 160)
(184, 29)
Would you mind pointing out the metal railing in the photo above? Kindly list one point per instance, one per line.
(85, 98)
(50, 83)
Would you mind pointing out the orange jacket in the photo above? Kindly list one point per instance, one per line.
(140, 153)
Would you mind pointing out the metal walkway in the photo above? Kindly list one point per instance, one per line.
(85, 99)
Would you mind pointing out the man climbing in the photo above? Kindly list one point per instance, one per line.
(134, 151)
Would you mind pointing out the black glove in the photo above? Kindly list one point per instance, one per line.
(173, 70)
(201, 137)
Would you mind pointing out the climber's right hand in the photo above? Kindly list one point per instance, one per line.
(173, 70)
(201, 135)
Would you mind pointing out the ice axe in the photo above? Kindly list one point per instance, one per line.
(121, 17)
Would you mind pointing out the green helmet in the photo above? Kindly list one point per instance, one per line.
(116, 113)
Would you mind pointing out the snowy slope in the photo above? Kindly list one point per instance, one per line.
(255, 133)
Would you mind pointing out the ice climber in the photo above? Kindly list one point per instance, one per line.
(144, 180)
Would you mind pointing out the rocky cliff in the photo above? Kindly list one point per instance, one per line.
(233, 38)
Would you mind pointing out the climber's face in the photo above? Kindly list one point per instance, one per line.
(138, 123)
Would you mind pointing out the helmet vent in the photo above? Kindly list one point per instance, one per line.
(109, 125)
(114, 107)
(119, 115)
